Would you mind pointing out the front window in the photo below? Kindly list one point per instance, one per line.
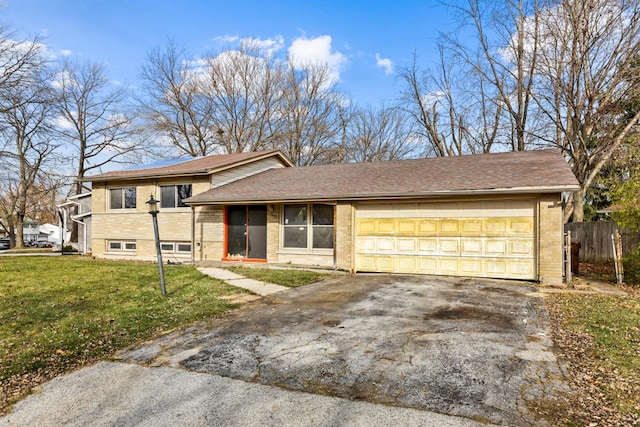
(172, 196)
(122, 198)
(308, 226)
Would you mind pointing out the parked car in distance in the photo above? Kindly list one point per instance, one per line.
(5, 244)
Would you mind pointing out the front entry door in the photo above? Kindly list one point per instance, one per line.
(247, 231)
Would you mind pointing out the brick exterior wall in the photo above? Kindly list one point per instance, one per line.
(344, 236)
(550, 239)
(135, 225)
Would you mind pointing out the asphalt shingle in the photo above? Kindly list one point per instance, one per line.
(514, 172)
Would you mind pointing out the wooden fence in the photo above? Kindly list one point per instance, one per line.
(595, 240)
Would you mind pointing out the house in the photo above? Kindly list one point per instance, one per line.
(77, 209)
(490, 215)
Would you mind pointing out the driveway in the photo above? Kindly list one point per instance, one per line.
(467, 347)
(465, 350)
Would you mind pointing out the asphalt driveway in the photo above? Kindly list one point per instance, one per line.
(474, 348)
(378, 349)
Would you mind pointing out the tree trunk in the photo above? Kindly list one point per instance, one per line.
(578, 206)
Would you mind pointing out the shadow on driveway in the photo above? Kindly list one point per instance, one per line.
(474, 348)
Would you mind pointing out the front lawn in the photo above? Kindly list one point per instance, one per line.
(59, 313)
(285, 277)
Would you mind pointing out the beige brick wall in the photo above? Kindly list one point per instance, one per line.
(209, 233)
(550, 238)
(344, 236)
(136, 225)
(273, 231)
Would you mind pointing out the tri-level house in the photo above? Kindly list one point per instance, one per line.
(490, 215)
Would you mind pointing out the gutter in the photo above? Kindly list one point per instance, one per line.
(386, 196)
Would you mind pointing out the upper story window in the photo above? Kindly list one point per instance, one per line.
(172, 196)
(122, 198)
(308, 226)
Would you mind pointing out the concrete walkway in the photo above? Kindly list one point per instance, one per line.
(255, 286)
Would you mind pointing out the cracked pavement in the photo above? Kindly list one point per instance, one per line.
(473, 348)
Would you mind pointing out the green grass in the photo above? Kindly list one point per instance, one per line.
(284, 277)
(613, 323)
(59, 313)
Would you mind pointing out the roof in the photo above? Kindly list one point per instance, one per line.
(194, 167)
(515, 172)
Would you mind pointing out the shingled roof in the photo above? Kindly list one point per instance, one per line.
(514, 172)
(192, 167)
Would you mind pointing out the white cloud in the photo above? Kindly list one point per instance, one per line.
(226, 39)
(66, 52)
(304, 51)
(385, 63)
(271, 46)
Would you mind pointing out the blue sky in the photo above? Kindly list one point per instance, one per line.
(366, 40)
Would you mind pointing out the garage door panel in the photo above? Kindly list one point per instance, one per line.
(386, 226)
(449, 227)
(449, 246)
(386, 245)
(407, 227)
(449, 266)
(471, 266)
(520, 226)
(427, 265)
(366, 244)
(407, 246)
(427, 227)
(496, 247)
(482, 239)
(472, 227)
(406, 265)
(428, 246)
(385, 264)
(472, 247)
(521, 248)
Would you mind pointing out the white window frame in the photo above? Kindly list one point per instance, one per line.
(310, 227)
(124, 199)
(123, 246)
(175, 248)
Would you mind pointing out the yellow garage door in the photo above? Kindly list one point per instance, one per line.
(491, 238)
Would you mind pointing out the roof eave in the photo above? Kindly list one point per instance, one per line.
(392, 196)
(201, 172)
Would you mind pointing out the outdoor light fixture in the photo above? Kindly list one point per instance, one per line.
(152, 206)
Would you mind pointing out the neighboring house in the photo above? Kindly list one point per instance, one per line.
(81, 205)
(490, 215)
(51, 233)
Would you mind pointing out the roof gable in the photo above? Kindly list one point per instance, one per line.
(514, 172)
(192, 167)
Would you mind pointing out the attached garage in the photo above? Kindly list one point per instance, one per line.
(485, 238)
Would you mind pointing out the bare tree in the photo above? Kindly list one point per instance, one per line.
(94, 117)
(243, 88)
(308, 122)
(451, 107)
(379, 134)
(25, 121)
(588, 71)
(174, 103)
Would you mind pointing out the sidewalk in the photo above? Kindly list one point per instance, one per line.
(255, 286)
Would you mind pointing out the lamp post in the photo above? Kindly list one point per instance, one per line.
(152, 205)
